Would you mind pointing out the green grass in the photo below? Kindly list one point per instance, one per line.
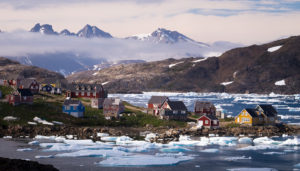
(52, 111)
(226, 120)
(233, 125)
(5, 90)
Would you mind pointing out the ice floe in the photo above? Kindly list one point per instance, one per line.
(174, 149)
(273, 152)
(145, 160)
(235, 158)
(245, 140)
(34, 143)
(150, 136)
(297, 165)
(211, 150)
(24, 149)
(93, 153)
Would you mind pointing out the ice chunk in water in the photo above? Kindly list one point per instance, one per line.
(24, 149)
(237, 158)
(93, 153)
(34, 143)
(174, 149)
(245, 140)
(109, 138)
(149, 137)
(211, 150)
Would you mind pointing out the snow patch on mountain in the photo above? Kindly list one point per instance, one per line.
(275, 48)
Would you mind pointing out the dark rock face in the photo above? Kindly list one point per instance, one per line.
(92, 31)
(23, 165)
(251, 69)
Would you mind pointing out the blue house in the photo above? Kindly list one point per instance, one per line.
(73, 107)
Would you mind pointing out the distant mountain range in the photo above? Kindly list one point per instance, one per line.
(174, 43)
(272, 67)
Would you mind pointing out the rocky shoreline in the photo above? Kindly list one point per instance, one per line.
(23, 165)
(164, 134)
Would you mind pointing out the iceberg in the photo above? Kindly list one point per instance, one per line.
(145, 160)
(93, 153)
(34, 143)
(245, 140)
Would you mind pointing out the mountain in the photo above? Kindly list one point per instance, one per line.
(44, 29)
(14, 69)
(162, 35)
(272, 67)
(66, 32)
(92, 31)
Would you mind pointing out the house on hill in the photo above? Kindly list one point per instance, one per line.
(73, 107)
(49, 88)
(86, 90)
(173, 110)
(208, 121)
(20, 96)
(97, 103)
(204, 108)
(29, 83)
(261, 115)
(112, 107)
(155, 103)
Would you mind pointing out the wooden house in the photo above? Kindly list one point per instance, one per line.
(155, 103)
(86, 90)
(173, 110)
(21, 96)
(73, 107)
(112, 107)
(204, 108)
(29, 83)
(97, 103)
(46, 88)
(261, 115)
(208, 121)
(56, 90)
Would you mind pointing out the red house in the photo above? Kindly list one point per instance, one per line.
(204, 108)
(21, 96)
(155, 103)
(112, 107)
(29, 83)
(86, 90)
(208, 121)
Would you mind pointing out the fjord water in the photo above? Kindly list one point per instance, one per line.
(288, 106)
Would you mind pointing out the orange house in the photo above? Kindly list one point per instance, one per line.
(249, 117)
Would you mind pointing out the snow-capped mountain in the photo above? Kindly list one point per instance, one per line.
(44, 29)
(162, 35)
(92, 31)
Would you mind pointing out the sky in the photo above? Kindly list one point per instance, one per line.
(239, 21)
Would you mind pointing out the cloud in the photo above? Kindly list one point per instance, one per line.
(22, 43)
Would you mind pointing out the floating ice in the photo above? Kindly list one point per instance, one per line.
(7, 137)
(79, 142)
(44, 157)
(93, 153)
(265, 140)
(174, 149)
(109, 138)
(237, 158)
(24, 149)
(289, 116)
(259, 147)
(223, 141)
(145, 160)
(212, 150)
(252, 169)
(273, 152)
(291, 142)
(34, 143)
(297, 165)
(274, 48)
(245, 140)
(69, 136)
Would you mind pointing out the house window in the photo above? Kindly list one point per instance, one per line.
(24, 98)
(12, 98)
(215, 122)
(183, 111)
(77, 93)
(82, 93)
(95, 94)
(88, 93)
(67, 107)
(74, 107)
(206, 122)
(175, 111)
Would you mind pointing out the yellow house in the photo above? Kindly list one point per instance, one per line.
(249, 117)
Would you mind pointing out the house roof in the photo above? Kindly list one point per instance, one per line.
(211, 117)
(112, 101)
(27, 82)
(157, 99)
(177, 105)
(203, 104)
(252, 112)
(269, 110)
(68, 102)
(25, 92)
(85, 87)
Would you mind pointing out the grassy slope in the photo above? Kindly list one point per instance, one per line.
(49, 107)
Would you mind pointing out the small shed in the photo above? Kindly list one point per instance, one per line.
(112, 107)
(97, 103)
(208, 121)
(74, 108)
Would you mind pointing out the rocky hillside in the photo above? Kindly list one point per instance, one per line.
(271, 67)
(13, 69)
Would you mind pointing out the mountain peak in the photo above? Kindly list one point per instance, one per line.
(66, 32)
(44, 29)
(89, 31)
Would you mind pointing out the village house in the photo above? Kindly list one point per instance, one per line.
(208, 121)
(204, 108)
(49, 88)
(86, 90)
(20, 96)
(261, 115)
(112, 107)
(155, 103)
(29, 83)
(173, 110)
(97, 103)
(73, 107)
